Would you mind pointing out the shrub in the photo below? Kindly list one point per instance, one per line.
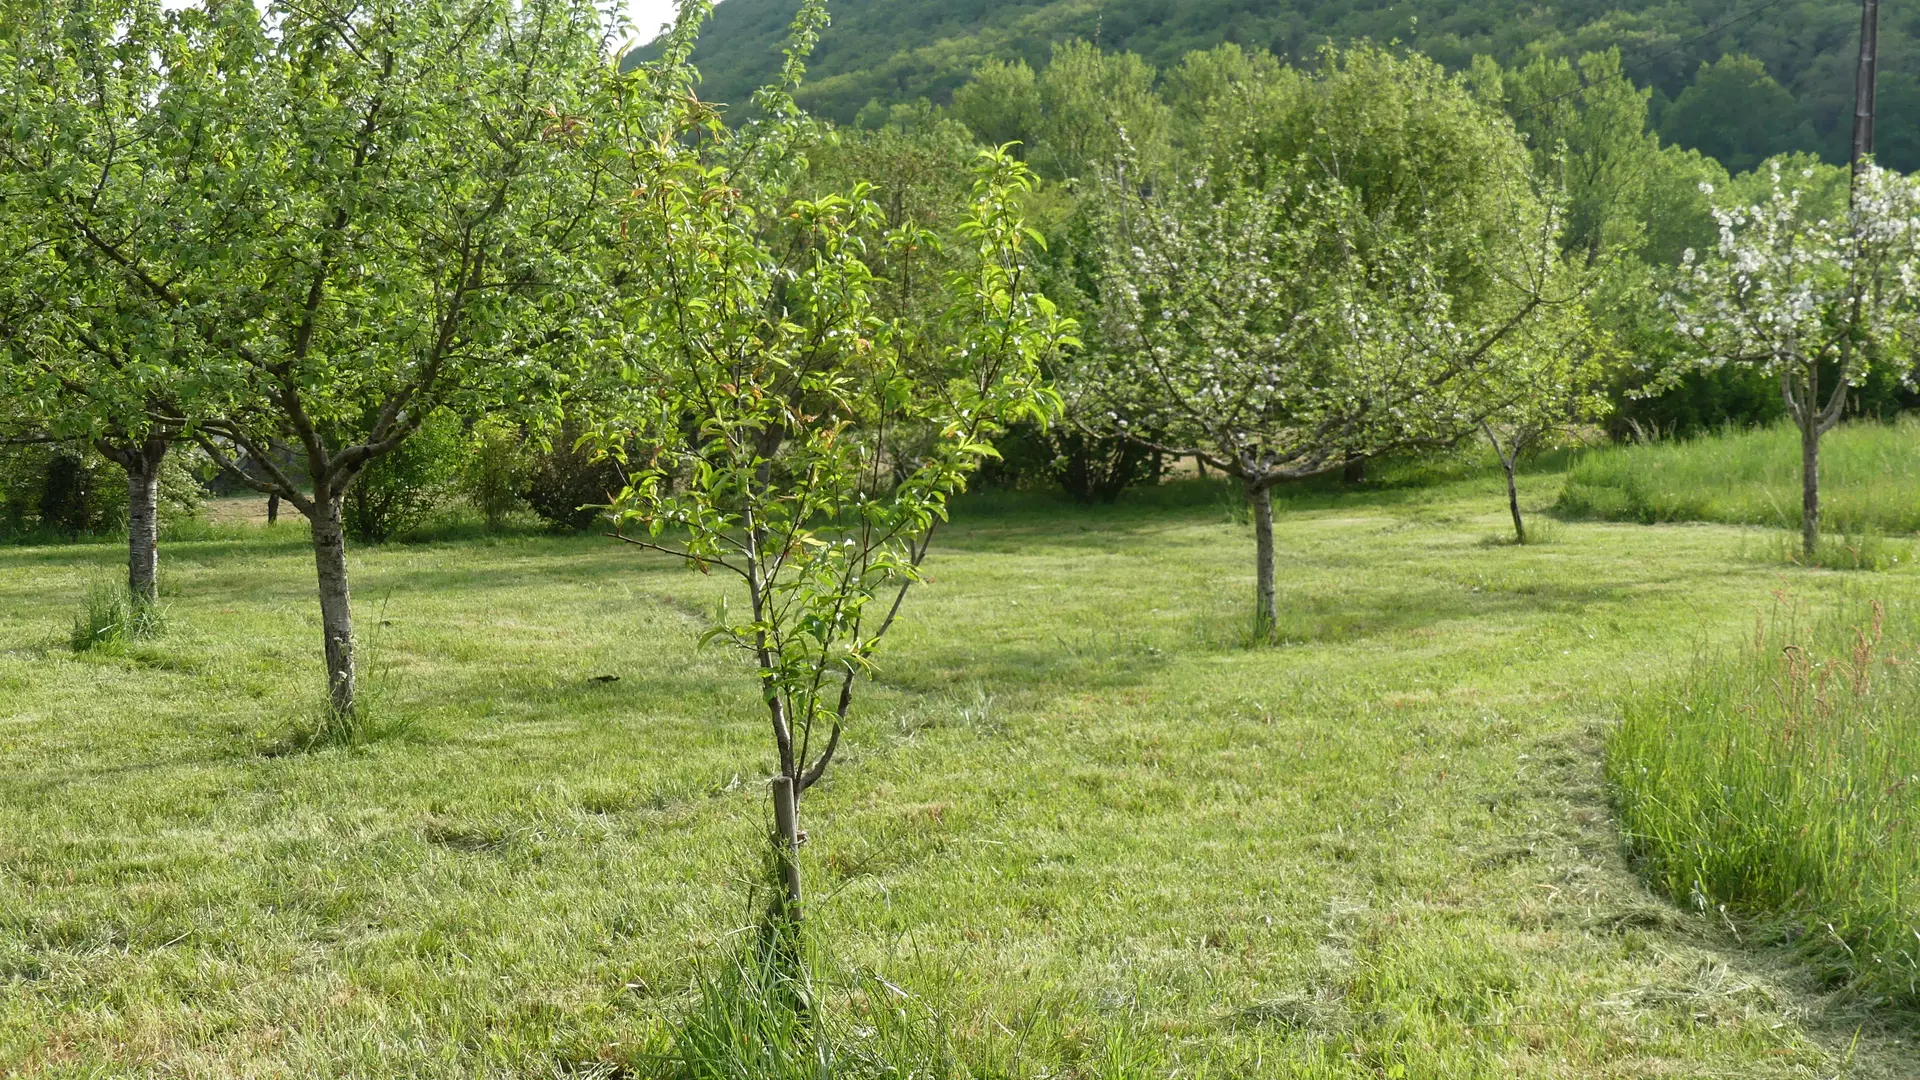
(1778, 781)
(68, 490)
(1089, 468)
(495, 470)
(399, 489)
(564, 485)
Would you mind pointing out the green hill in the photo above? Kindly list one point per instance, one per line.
(898, 50)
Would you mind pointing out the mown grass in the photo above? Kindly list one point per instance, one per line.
(1781, 779)
(1869, 480)
(1080, 831)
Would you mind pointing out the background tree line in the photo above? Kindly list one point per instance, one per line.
(1737, 80)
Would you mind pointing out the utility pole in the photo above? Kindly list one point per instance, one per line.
(1864, 82)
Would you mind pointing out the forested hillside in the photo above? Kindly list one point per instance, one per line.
(898, 50)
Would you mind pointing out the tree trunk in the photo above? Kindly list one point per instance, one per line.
(786, 846)
(1809, 484)
(1513, 502)
(1355, 470)
(1266, 610)
(143, 523)
(336, 607)
(142, 461)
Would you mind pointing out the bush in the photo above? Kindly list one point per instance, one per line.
(1776, 780)
(399, 489)
(564, 484)
(1090, 468)
(68, 490)
(495, 470)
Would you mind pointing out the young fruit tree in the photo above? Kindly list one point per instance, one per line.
(1551, 390)
(1812, 301)
(762, 389)
(1275, 331)
(108, 171)
(392, 196)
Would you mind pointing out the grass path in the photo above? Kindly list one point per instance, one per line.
(1078, 817)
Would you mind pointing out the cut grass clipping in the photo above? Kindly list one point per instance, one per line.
(1779, 782)
(110, 616)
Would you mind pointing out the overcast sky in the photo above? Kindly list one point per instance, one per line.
(648, 15)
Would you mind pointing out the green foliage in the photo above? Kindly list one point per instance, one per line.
(1736, 113)
(60, 490)
(1870, 474)
(494, 470)
(78, 493)
(400, 489)
(899, 50)
(1427, 160)
(1072, 117)
(1361, 266)
(919, 166)
(1088, 466)
(1776, 779)
(766, 396)
(567, 484)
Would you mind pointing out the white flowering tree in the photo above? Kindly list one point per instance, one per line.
(1277, 332)
(1812, 301)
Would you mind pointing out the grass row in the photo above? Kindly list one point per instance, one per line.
(1870, 479)
(1780, 780)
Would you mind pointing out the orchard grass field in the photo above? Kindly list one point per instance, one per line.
(1869, 476)
(1083, 826)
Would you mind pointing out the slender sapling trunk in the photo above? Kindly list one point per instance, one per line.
(1509, 457)
(786, 847)
(1809, 485)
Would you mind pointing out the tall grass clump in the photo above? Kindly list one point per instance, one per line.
(1869, 479)
(765, 1011)
(111, 615)
(1779, 781)
(1847, 550)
